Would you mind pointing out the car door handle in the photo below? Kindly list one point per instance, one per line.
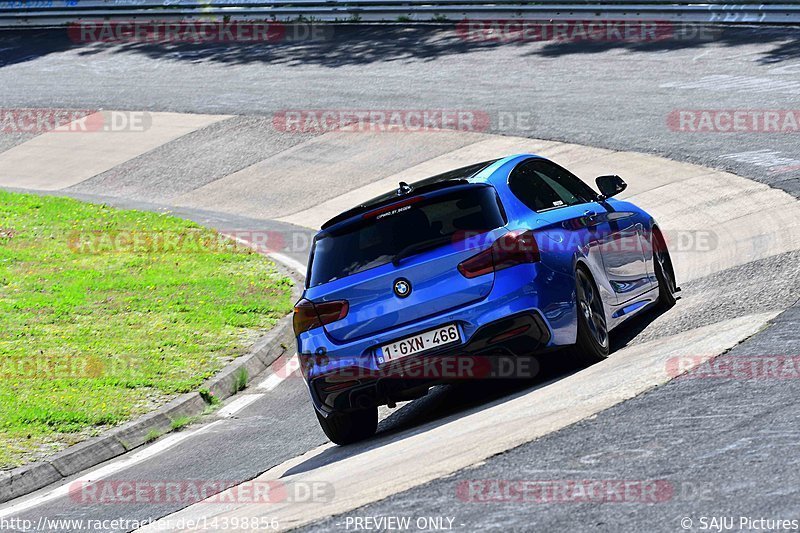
(591, 217)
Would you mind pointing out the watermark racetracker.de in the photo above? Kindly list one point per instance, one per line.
(581, 31)
(581, 490)
(189, 241)
(190, 491)
(43, 120)
(743, 368)
(197, 32)
(50, 367)
(734, 120)
(294, 121)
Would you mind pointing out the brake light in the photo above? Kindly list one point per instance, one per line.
(308, 315)
(513, 248)
(376, 213)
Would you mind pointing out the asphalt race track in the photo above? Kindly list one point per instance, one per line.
(724, 445)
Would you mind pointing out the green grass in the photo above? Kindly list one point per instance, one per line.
(152, 435)
(181, 422)
(89, 340)
(240, 380)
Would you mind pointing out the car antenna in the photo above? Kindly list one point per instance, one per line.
(404, 188)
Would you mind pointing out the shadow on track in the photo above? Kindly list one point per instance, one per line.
(785, 41)
(352, 44)
(22, 46)
(446, 403)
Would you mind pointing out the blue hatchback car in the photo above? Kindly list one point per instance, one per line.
(500, 259)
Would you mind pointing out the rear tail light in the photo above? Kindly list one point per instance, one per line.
(309, 315)
(513, 248)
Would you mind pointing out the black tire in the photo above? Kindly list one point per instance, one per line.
(665, 274)
(593, 341)
(351, 426)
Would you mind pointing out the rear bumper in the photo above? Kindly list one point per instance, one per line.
(495, 350)
(546, 297)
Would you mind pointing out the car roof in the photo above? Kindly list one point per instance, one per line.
(439, 181)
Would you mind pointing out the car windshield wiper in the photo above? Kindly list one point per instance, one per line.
(418, 247)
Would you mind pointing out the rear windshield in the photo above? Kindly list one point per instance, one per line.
(376, 240)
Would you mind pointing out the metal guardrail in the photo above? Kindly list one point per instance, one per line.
(37, 13)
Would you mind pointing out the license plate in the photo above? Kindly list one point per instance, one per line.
(419, 343)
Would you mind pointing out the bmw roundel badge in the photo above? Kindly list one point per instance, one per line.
(402, 287)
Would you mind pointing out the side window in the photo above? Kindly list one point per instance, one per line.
(543, 185)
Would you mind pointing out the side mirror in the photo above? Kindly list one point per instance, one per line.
(610, 186)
